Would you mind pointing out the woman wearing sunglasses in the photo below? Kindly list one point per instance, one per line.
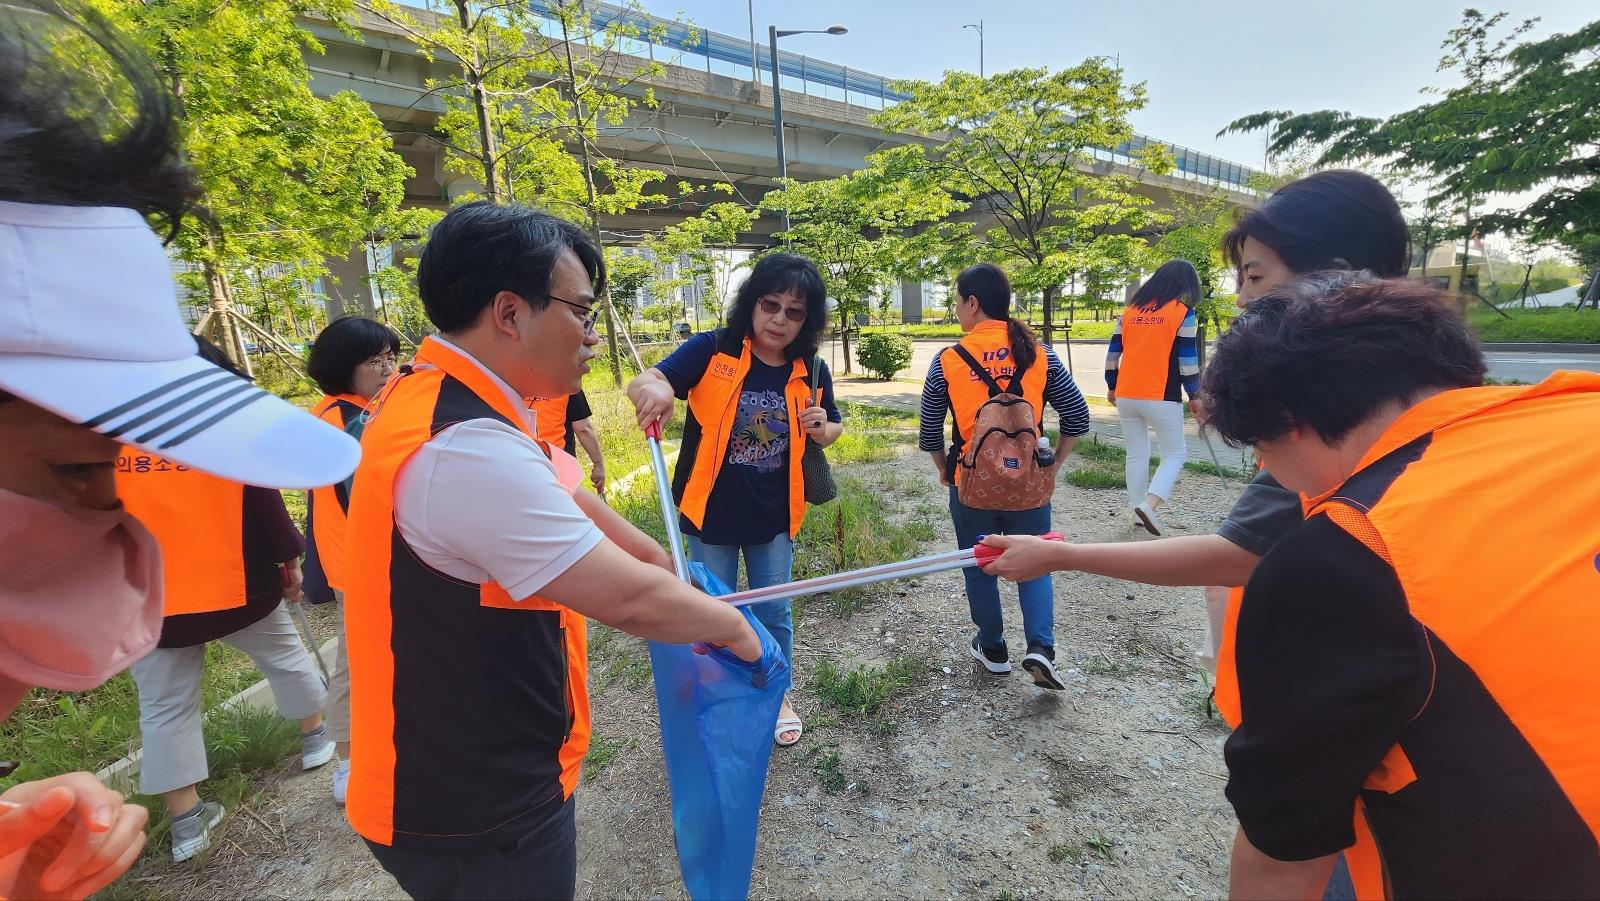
(350, 360)
(738, 482)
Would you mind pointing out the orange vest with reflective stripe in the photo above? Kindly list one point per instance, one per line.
(1481, 501)
(991, 346)
(714, 403)
(325, 509)
(198, 520)
(469, 708)
(1149, 363)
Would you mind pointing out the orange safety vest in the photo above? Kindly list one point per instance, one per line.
(1496, 779)
(551, 419)
(470, 708)
(989, 343)
(326, 506)
(198, 520)
(1148, 369)
(713, 403)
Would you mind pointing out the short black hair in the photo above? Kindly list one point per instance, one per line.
(1175, 280)
(1329, 351)
(1336, 219)
(344, 345)
(777, 273)
(481, 248)
(68, 139)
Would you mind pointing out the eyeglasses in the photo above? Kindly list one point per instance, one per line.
(591, 314)
(381, 364)
(770, 306)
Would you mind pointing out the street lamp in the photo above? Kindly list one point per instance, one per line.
(773, 33)
(979, 28)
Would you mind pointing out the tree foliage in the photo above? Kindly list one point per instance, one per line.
(290, 179)
(869, 228)
(1523, 119)
(696, 252)
(1019, 146)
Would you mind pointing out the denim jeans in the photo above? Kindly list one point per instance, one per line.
(983, 591)
(764, 564)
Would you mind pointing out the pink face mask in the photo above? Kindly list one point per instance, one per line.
(80, 593)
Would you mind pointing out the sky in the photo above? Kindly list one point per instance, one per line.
(1204, 63)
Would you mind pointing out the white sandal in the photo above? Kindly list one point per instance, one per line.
(788, 724)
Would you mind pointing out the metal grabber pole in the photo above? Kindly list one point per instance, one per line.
(658, 465)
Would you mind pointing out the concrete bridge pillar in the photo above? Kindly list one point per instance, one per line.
(911, 301)
(349, 285)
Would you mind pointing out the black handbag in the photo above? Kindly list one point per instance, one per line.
(814, 466)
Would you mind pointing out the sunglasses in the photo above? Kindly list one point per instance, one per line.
(591, 315)
(793, 314)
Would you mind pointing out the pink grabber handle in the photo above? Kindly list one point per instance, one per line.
(653, 430)
(985, 555)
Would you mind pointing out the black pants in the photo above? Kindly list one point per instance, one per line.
(543, 863)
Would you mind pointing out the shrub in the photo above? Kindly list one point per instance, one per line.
(884, 354)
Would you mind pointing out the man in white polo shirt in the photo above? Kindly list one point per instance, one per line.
(473, 558)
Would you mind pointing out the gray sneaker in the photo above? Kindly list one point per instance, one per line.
(191, 834)
(315, 748)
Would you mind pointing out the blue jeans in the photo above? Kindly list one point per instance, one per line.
(983, 591)
(766, 564)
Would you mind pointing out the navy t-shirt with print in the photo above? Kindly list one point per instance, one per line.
(749, 504)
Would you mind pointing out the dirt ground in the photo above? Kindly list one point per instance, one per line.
(978, 786)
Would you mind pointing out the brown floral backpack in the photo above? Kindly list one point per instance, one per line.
(998, 469)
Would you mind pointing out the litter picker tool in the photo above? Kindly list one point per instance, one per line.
(311, 643)
(658, 465)
(978, 555)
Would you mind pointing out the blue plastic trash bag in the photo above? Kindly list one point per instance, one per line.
(717, 717)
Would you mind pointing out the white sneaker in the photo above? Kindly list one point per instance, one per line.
(315, 749)
(191, 835)
(341, 780)
(1147, 517)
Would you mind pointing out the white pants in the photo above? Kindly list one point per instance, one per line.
(169, 697)
(1166, 418)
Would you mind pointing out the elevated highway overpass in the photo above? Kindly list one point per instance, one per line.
(712, 121)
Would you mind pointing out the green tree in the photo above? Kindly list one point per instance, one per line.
(525, 113)
(628, 274)
(290, 179)
(698, 249)
(868, 228)
(1020, 144)
(1195, 234)
(1522, 120)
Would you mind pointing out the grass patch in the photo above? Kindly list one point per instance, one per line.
(825, 767)
(1555, 325)
(871, 433)
(852, 531)
(1061, 852)
(617, 657)
(1095, 477)
(1099, 844)
(604, 751)
(863, 690)
(1101, 666)
(1101, 464)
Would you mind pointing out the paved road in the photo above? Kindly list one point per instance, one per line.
(1088, 363)
(1088, 369)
